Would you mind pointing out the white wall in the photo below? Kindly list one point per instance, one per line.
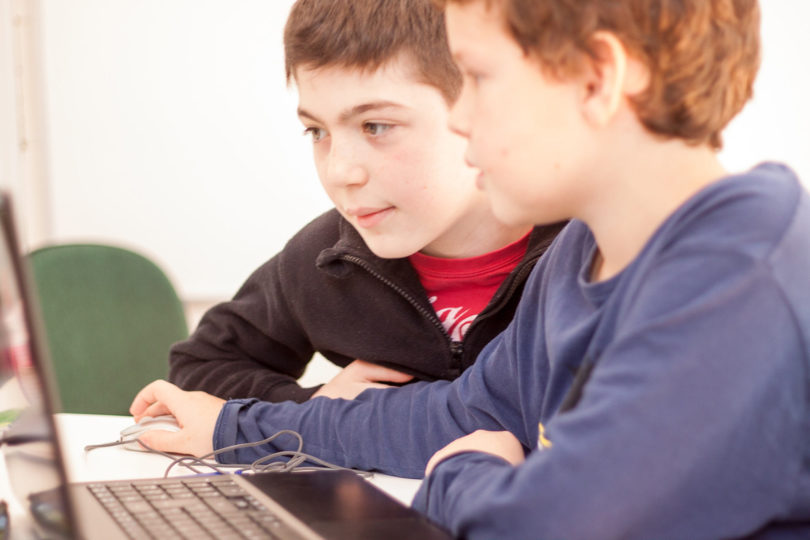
(172, 131)
(775, 125)
(23, 160)
(8, 120)
(170, 128)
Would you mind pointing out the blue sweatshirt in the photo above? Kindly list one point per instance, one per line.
(694, 421)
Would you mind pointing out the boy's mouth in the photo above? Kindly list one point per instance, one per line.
(369, 217)
(479, 180)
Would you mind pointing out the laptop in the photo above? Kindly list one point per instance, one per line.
(296, 505)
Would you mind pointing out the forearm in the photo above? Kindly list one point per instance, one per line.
(393, 430)
(232, 379)
(242, 350)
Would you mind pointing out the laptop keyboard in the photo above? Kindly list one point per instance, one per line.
(195, 507)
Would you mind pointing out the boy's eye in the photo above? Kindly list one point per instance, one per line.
(375, 128)
(474, 78)
(316, 133)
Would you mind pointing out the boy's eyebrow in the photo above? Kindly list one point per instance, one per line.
(356, 110)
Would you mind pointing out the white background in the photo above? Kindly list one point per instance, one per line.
(167, 127)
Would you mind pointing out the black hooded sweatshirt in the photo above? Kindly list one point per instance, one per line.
(327, 292)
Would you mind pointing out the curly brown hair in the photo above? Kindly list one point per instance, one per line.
(366, 34)
(703, 55)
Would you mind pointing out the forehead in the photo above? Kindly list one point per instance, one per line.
(400, 68)
(474, 26)
(330, 89)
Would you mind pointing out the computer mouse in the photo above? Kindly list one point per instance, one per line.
(165, 422)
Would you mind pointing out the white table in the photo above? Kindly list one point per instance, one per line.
(115, 463)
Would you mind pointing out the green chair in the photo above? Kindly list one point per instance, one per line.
(110, 316)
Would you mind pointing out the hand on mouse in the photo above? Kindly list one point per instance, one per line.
(195, 412)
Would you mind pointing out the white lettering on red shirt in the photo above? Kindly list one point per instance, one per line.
(459, 289)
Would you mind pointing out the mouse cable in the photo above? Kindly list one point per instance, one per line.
(150, 450)
(201, 460)
(294, 464)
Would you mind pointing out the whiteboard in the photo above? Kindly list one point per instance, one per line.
(171, 130)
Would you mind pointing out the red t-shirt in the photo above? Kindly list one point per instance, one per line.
(460, 288)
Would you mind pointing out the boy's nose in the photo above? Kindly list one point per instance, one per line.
(461, 112)
(343, 168)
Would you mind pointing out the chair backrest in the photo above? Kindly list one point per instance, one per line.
(110, 316)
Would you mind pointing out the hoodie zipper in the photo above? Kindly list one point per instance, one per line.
(456, 347)
(428, 314)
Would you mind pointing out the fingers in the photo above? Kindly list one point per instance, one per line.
(358, 376)
(498, 443)
(143, 399)
(196, 414)
(165, 441)
(361, 387)
(159, 391)
(376, 373)
(433, 461)
(154, 410)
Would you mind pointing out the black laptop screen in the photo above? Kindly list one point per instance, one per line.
(27, 438)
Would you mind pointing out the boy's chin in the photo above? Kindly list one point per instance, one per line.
(510, 218)
(515, 215)
(392, 250)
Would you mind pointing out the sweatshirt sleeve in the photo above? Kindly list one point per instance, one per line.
(248, 346)
(701, 437)
(255, 345)
(394, 431)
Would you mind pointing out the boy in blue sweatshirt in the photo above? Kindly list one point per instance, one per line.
(655, 382)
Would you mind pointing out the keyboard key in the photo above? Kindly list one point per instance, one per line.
(191, 508)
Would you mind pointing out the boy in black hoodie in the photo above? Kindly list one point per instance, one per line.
(411, 275)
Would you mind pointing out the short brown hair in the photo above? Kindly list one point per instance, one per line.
(703, 55)
(366, 34)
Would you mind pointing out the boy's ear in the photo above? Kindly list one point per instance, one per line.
(609, 77)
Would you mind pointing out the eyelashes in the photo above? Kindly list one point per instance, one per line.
(376, 128)
(373, 129)
(316, 134)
